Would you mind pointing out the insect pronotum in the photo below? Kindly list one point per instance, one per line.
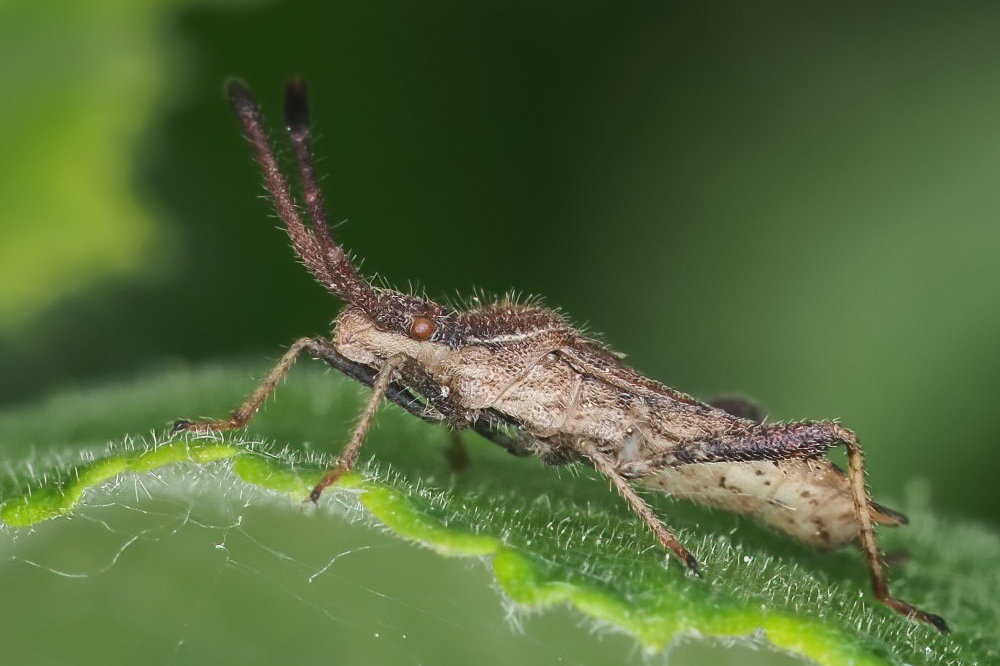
(519, 368)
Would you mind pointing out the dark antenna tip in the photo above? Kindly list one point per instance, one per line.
(237, 91)
(297, 105)
(243, 102)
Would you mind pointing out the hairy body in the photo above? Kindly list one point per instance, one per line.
(564, 391)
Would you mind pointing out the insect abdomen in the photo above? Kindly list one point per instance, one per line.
(808, 499)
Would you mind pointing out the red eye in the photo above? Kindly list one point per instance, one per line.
(422, 328)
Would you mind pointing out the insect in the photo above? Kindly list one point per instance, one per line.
(523, 377)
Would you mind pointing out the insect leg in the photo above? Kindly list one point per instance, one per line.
(396, 393)
(862, 506)
(800, 440)
(242, 414)
(432, 408)
(440, 408)
(350, 453)
(321, 349)
(496, 427)
(606, 466)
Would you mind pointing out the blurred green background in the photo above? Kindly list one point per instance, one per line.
(795, 202)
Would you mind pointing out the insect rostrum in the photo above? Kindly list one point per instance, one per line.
(520, 368)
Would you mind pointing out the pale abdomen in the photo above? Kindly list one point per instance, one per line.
(808, 499)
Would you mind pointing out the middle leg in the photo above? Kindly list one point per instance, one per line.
(606, 466)
(350, 453)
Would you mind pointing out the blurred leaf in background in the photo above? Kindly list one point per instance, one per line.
(80, 83)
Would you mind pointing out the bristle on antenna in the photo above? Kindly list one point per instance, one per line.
(324, 258)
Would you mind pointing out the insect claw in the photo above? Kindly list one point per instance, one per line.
(693, 568)
(179, 426)
(914, 613)
(937, 622)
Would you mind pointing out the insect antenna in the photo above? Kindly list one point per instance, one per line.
(324, 258)
(297, 122)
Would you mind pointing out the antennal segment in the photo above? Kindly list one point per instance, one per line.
(326, 260)
(297, 122)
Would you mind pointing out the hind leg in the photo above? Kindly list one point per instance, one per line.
(803, 440)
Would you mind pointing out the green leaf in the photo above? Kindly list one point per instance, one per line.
(552, 536)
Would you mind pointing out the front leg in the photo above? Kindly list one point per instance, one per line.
(396, 393)
(803, 440)
(242, 414)
(322, 349)
(434, 406)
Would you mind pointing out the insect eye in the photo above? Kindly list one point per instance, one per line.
(422, 328)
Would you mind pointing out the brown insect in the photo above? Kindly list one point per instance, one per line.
(523, 377)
